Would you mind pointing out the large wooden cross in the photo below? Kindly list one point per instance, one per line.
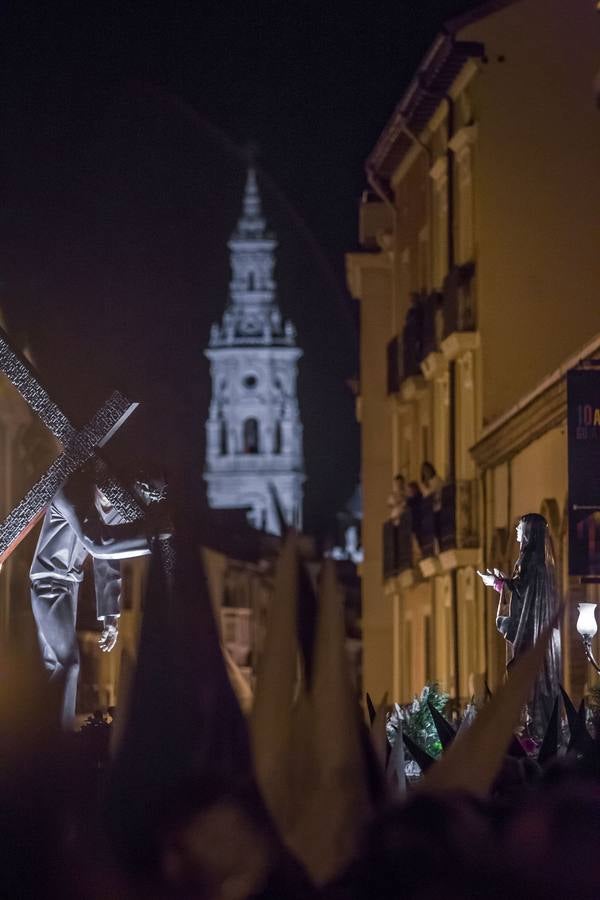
(78, 447)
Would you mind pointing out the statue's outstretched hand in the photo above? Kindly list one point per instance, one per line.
(110, 633)
(488, 577)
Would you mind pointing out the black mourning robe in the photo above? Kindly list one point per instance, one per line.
(533, 603)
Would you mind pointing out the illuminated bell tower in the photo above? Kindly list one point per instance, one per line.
(254, 432)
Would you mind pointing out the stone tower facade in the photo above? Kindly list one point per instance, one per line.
(254, 432)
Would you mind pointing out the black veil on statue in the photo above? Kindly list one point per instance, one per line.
(534, 602)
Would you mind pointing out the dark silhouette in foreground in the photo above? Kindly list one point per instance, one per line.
(187, 805)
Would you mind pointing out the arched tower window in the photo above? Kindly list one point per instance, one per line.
(223, 438)
(277, 438)
(251, 281)
(251, 436)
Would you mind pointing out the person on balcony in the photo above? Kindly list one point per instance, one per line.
(397, 499)
(431, 486)
(414, 498)
(528, 603)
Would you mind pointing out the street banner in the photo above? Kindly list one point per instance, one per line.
(583, 425)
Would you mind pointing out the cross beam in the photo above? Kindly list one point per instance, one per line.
(78, 447)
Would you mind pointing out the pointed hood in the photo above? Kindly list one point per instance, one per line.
(183, 720)
(341, 798)
(307, 742)
(276, 681)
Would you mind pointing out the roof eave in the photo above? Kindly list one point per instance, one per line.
(437, 71)
(457, 23)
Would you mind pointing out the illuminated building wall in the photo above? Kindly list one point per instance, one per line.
(478, 277)
(254, 432)
(371, 282)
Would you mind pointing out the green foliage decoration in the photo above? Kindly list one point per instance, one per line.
(416, 719)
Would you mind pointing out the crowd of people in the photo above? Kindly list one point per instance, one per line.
(407, 497)
(534, 836)
(181, 795)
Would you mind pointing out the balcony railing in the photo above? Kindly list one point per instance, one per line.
(430, 319)
(433, 323)
(412, 350)
(403, 358)
(413, 334)
(397, 545)
(393, 365)
(459, 516)
(454, 526)
(459, 300)
(426, 527)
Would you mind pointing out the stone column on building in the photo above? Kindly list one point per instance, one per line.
(369, 279)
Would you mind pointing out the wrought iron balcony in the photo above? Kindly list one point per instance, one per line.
(397, 545)
(459, 516)
(405, 351)
(426, 527)
(411, 352)
(412, 336)
(394, 362)
(459, 300)
(454, 526)
(433, 323)
(403, 358)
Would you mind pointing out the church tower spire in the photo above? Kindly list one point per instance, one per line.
(254, 433)
(252, 250)
(251, 223)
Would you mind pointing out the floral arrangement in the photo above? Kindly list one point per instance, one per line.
(416, 720)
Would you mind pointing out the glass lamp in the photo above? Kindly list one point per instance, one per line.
(586, 623)
(587, 628)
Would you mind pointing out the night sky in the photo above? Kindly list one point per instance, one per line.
(123, 136)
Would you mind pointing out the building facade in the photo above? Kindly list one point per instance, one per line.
(254, 455)
(478, 278)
